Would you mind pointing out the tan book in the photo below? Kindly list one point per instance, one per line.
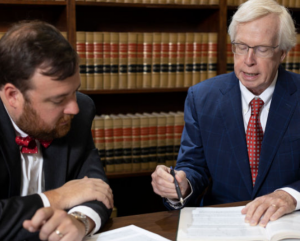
(204, 52)
(172, 60)
(89, 50)
(196, 59)
(114, 60)
(289, 60)
(123, 60)
(146, 1)
(229, 54)
(285, 3)
(204, 2)
(186, 2)
(156, 55)
(64, 33)
(297, 3)
(136, 142)
(144, 131)
(106, 60)
(152, 140)
(154, 1)
(2, 33)
(212, 55)
(164, 59)
(132, 60)
(147, 59)
(161, 138)
(127, 142)
(292, 3)
(178, 1)
(195, 2)
(118, 142)
(180, 56)
(230, 3)
(178, 128)
(188, 59)
(162, 1)
(139, 60)
(99, 137)
(80, 48)
(98, 60)
(170, 2)
(169, 138)
(296, 60)
(213, 2)
(109, 144)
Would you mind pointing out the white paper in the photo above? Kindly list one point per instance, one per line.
(127, 233)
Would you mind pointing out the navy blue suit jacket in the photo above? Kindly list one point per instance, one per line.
(71, 157)
(213, 141)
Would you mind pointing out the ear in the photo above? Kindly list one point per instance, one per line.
(14, 97)
(283, 55)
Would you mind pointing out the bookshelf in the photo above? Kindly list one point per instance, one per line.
(71, 16)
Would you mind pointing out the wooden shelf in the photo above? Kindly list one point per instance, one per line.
(16, 2)
(111, 175)
(134, 91)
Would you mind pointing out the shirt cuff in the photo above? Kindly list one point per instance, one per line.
(45, 200)
(295, 194)
(176, 204)
(91, 214)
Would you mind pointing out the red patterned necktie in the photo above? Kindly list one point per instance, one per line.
(28, 144)
(254, 137)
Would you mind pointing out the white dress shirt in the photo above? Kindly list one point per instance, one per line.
(247, 97)
(33, 180)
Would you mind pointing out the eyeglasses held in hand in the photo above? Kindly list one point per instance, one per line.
(259, 51)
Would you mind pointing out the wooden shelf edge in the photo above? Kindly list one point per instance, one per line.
(142, 5)
(18, 2)
(135, 91)
(111, 175)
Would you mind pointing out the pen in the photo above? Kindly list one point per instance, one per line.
(176, 186)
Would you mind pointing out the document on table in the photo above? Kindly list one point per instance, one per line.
(127, 233)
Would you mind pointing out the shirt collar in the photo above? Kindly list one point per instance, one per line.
(265, 96)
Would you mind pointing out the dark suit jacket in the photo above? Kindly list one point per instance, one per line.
(71, 157)
(213, 141)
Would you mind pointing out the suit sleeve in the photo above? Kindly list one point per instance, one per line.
(191, 156)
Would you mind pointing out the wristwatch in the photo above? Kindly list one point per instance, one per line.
(82, 218)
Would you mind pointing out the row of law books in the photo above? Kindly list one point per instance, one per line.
(135, 142)
(121, 60)
(290, 63)
(286, 3)
(193, 2)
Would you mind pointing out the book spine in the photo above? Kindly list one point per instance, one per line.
(114, 60)
(169, 139)
(136, 144)
(89, 48)
(296, 61)
(123, 60)
(99, 138)
(80, 47)
(147, 59)
(156, 55)
(164, 69)
(109, 144)
(204, 2)
(152, 141)
(161, 140)
(186, 2)
(172, 60)
(297, 4)
(98, 61)
(180, 56)
(212, 55)
(195, 2)
(144, 124)
(106, 60)
(289, 60)
(204, 49)
(230, 64)
(139, 58)
(188, 70)
(178, 128)
(127, 143)
(196, 58)
(118, 144)
(132, 60)
(213, 2)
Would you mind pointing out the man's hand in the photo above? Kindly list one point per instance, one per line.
(78, 191)
(55, 224)
(269, 208)
(163, 183)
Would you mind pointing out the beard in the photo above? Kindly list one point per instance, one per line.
(34, 126)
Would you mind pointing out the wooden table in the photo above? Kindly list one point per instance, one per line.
(162, 223)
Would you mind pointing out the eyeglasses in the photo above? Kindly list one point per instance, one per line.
(259, 51)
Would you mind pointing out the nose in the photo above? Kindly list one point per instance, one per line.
(72, 107)
(250, 58)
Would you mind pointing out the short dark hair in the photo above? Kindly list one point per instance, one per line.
(29, 45)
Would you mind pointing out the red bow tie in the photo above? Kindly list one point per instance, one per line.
(28, 144)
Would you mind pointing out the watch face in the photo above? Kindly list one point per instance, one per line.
(80, 215)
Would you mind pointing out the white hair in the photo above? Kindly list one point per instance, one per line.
(254, 9)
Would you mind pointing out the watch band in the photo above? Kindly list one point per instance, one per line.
(82, 218)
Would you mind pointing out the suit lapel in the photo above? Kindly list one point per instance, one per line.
(231, 109)
(55, 163)
(10, 151)
(282, 107)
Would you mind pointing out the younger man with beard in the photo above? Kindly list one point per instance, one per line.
(53, 186)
